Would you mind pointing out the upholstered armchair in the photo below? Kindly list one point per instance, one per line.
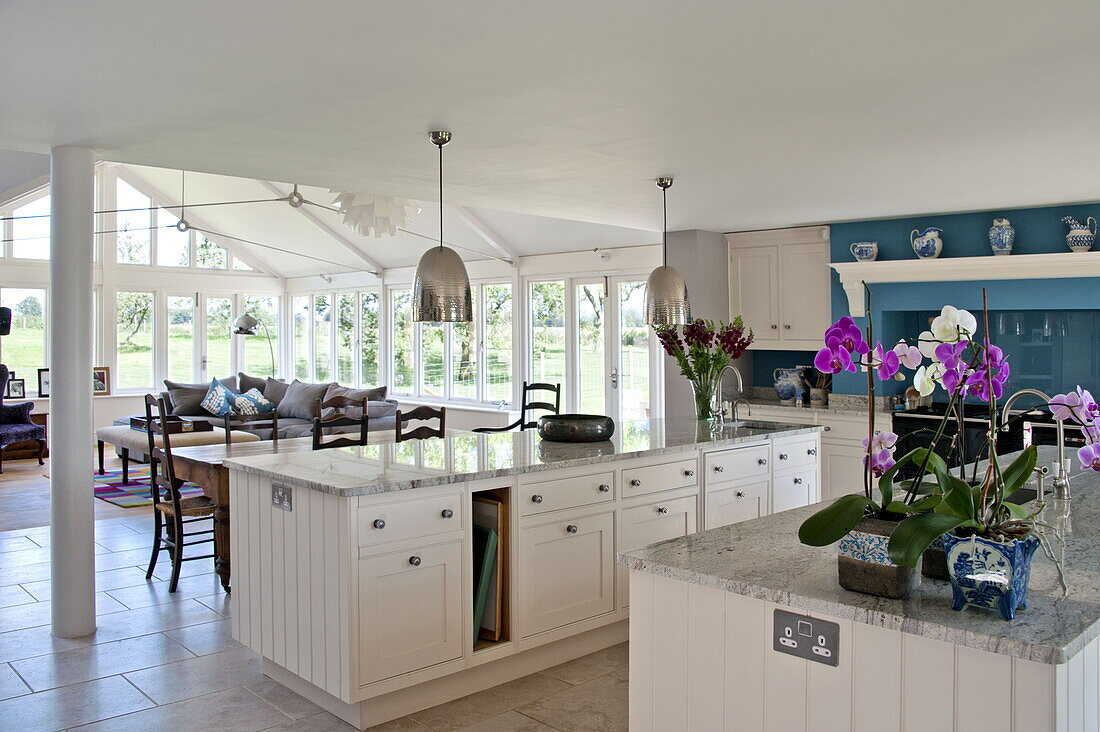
(16, 425)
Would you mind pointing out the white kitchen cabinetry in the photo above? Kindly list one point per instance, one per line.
(730, 503)
(650, 523)
(780, 284)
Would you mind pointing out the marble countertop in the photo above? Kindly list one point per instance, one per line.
(842, 405)
(466, 456)
(763, 558)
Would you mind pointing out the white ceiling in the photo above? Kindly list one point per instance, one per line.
(768, 112)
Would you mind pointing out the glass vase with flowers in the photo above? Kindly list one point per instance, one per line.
(703, 352)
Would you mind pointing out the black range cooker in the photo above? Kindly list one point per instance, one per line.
(916, 428)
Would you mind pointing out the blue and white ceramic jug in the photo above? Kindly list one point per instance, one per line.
(788, 384)
(1081, 237)
(864, 251)
(1002, 236)
(927, 245)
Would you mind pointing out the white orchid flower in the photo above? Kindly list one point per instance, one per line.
(909, 356)
(926, 378)
(926, 344)
(953, 325)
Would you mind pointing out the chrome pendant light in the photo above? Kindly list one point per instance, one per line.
(441, 290)
(666, 294)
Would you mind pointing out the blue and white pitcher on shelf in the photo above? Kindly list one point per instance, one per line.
(788, 384)
(1081, 237)
(927, 245)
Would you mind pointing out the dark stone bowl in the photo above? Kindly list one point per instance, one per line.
(576, 427)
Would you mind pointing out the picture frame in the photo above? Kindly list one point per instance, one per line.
(101, 381)
(17, 388)
(44, 383)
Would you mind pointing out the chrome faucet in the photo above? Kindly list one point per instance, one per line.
(740, 391)
(1061, 480)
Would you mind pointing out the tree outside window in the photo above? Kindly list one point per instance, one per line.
(134, 333)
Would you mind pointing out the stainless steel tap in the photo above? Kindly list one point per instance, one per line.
(1061, 480)
(740, 391)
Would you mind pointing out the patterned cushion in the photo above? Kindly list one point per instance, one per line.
(252, 402)
(219, 399)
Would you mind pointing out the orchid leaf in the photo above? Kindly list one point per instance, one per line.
(898, 507)
(1019, 472)
(1015, 510)
(928, 503)
(958, 498)
(830, 524)
(913, 535)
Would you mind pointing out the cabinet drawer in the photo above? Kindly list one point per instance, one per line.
(410, 610)
(792, 454)
(553, 495)
(737, 464)
(794, 490)
(731, 504)
(654, 522)
(568, 571)
(661, 477)
(390, 522)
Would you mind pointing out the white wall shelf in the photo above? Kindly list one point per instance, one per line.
(957, 269)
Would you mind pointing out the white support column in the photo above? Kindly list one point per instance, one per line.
(72, 514)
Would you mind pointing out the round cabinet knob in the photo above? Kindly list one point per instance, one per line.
(775, 327)
(783, 456)
(447, 513)
(378, 524)
(798, 481)
(414, 561)
(689, 473)
(762, 461)
(740, 494)
(571, 528)
(662, 509)
(786, 327)
(718, 469)
(604, 488)
(536, 498)
(635, 482)
(811, 451)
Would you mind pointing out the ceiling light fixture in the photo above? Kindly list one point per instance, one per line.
(666, 294)
(441, 289)
(373, 215)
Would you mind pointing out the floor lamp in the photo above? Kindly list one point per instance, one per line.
(245, 325)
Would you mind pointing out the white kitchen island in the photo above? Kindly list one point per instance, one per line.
(353, 567)
(703, 654)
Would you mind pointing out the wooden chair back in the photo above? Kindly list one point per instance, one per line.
(339, 419)
(527, 404)
(423, 431)
(234, 421)
(162, 473)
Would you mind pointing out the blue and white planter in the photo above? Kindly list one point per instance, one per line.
(1002, 236)
(864, 564)
(989, 574)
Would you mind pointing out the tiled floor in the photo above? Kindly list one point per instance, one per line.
(160, 661)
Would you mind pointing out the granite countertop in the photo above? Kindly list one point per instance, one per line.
(466, 456)
(844, 405)
(763, 558)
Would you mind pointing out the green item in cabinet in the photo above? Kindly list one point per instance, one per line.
(485, 557)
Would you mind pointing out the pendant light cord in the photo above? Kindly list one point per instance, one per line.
(664, 228)
(440, 196)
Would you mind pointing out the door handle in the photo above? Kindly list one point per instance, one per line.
(614, 375)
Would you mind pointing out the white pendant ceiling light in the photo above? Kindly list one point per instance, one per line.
(441, 289)
(666, 294)
(373, 215)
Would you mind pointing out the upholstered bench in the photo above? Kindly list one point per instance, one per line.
(125, 438)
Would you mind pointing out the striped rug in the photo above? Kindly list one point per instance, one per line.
(109, 487)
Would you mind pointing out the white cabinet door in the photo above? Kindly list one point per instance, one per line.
(754, 281)
(567, 568)
(410, 610)
(841, 469)
(658, 521)
(728, 504)
(804, 281)
(794, 490)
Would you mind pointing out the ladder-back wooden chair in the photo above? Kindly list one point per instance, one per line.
(423, 431)
(527, 404)
(255, 421)
(340, 417)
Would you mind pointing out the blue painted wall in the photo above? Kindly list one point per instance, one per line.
(1038, 230)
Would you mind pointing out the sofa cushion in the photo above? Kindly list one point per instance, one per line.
(300, 400)
(275, 390)
(219, 399)
(377, 394)
(185, 400)
(252, 402)
(246, 383)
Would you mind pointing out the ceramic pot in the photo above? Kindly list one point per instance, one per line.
(863, 562)
(989, 574)
(934, 561)
(864, 251)
(788, 384)
(819, 397)
(927, 245)
(1002, 236)
(576, 427)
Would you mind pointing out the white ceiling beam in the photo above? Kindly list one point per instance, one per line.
(372, 266)
(506, 250)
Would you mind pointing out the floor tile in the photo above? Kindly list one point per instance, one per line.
(189, 569)
(15, 543)
(221, 603)
(23, 557)
(110, 579)
(198, 676)
(99, 661)
(10, 683)
(14, 595)
(599, 705)
(205, 638)
(152, 619)
(72, 705)
(123, 542)
(26, 573)
(509, 722)
(405, 724)
(38, 613)
(116, 560)
(237, 709)
(326, 722)
(489, 703)
(589, 667)
(30, 642)
(286, 701)
(156, 593)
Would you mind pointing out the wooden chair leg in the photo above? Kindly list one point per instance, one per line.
(177, 556)
(41, 451)
(158, 525)
(100, 446)
(1, 459)
(125, 466)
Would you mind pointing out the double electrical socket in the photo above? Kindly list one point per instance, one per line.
(282, 497)
(810, 638)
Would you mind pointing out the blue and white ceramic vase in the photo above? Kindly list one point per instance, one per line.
(1002, 236)
(989, 574)
(927, 245)
(1081, 237)
(864, 251)
(863, 562)
(788, 384)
